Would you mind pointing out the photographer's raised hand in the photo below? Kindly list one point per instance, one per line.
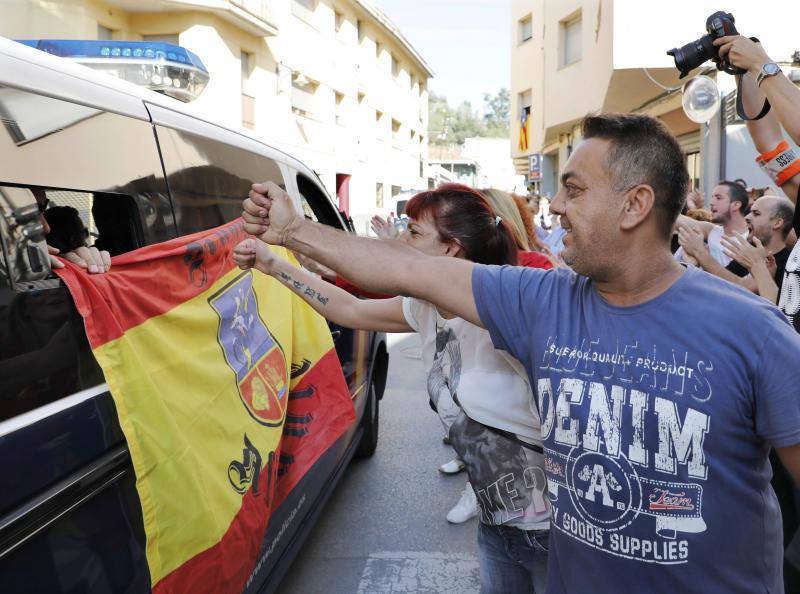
(783, 95)
(742, 52)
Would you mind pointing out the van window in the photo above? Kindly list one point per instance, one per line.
(97, 177)
(51, 143)
(44, 352)
(209, 179)
(108, 222)
(316, 204)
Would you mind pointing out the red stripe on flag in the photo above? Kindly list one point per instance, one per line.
(225, 567)
(179, 270)
(322, 395)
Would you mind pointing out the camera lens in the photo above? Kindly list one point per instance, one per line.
(691, 55)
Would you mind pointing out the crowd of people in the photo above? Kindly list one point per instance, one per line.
(618, 404)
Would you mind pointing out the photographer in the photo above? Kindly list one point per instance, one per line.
(762, 81)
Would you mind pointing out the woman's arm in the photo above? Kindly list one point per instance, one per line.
(335, 304)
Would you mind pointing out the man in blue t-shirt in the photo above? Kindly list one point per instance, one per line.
(660, 389)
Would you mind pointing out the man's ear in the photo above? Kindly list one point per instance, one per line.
(638, 203)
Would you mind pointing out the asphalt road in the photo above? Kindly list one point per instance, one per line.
(384, 529)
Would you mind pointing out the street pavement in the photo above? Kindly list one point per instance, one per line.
(384, 529)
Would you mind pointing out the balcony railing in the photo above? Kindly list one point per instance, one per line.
(254, 16)
(258, 8)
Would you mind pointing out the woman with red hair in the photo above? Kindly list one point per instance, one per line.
(481, 394)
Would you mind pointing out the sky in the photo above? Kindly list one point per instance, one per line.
(467, 43)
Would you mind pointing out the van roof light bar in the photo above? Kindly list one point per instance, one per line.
(163, 67)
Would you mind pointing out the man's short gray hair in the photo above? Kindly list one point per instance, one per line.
(643, 151)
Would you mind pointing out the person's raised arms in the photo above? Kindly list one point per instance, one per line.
(784, 97)
(382, 266)
(333, 303)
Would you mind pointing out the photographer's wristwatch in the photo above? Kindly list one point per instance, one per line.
(767, 70)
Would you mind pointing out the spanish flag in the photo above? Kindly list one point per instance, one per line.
(205, 363)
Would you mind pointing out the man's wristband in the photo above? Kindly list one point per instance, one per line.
(781, 163)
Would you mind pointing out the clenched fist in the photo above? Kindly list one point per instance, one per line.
(252, 253)
(269, 214)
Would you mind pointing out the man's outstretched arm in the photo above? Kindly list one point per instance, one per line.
(384, 266)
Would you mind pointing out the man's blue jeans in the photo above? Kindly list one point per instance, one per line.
(512, 561)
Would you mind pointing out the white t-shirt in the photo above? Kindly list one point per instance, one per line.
(466, 371)
(491, 390)
(714, 246)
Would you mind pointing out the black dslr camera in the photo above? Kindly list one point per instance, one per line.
(691, 55)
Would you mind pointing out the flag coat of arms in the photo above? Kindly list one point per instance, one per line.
(204, 363)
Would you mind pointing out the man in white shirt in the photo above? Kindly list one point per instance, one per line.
(728, 209)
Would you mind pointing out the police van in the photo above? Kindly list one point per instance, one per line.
(148, 170)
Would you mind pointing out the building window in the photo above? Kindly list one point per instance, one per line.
(396, 130)
(525, 27)
(339, 108)
(395, 67)
(360, 29)
(165, 38)
(104, 32)
(361, 97)
(379, 195)
(339, 20)
(396, 190)
(248, 100)
(524, 100)
(570, 30)
(378, 116)
(303, 95)
(378, 50)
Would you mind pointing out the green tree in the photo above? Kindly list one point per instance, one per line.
(496, 115)
(448, 126)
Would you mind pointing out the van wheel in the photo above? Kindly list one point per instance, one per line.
(369, 438)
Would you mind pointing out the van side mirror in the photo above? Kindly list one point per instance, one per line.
(23, 237)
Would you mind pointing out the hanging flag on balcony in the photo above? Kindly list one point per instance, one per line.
(523, 130)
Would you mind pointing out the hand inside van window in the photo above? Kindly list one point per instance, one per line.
(69, 239)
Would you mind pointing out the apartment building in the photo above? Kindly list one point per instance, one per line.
(333, 82)
(573, 57)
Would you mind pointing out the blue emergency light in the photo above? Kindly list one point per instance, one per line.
(164, 67)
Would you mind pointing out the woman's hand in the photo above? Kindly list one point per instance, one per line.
(254, 253)
(383, 228)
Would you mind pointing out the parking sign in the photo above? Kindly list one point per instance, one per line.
(535, 167)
